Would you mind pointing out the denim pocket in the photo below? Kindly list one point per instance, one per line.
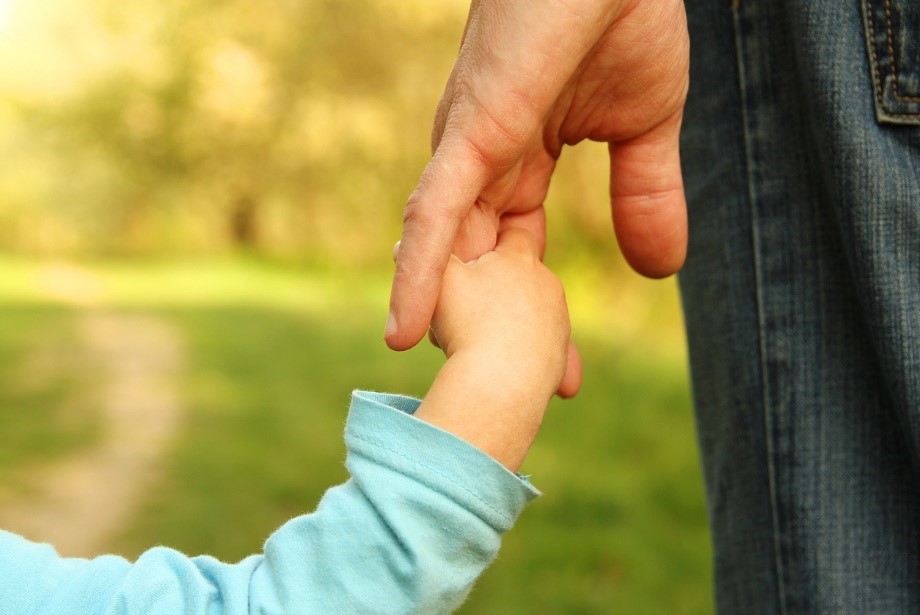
(893, 40)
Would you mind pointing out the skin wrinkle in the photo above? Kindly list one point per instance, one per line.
(627, 173)
(667, 235)
(497, 161)
(638, 120)
(572, 11)
(551, 64)
(645, 193)
(648, 200)
(577, 96)
(526, 110)
(469, 241)
(530, 192)
(497, 197)
(555, 125)
(581, 23)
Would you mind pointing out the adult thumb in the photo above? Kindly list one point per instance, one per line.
(647, 200)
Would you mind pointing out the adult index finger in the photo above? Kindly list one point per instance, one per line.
(446, 192)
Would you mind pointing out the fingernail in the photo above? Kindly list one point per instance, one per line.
(391, 326)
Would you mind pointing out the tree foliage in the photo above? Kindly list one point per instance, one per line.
(286, 127)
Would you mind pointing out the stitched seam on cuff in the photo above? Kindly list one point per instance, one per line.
(509, 520)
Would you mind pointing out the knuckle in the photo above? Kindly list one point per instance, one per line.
(494, 135)
(420, 214)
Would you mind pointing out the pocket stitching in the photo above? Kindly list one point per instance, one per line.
(870, 18)
(894, 64)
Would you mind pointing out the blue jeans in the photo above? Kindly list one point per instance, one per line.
(801, 153)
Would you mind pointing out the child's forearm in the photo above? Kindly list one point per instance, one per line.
(485, 407)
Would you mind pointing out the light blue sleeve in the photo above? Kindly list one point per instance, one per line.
(415, 525)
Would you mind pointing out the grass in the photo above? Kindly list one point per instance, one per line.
(44, 412)
(272, 356)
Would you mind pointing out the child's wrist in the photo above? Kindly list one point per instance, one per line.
(517, 377)
(486, 405)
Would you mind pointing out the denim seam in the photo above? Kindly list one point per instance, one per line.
(894, 64)
(755, 240)
(873, 59)
(876, 80)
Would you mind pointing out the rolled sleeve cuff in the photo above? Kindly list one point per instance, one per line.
(382, 428)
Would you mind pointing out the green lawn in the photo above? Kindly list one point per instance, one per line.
(272, 354)
(45, 413)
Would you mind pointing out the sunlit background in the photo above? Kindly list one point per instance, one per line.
(4, 13)
(198, 199)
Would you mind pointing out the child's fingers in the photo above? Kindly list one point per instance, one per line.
(455, 267)
(571, 381)
(533, 221)
(519, 241)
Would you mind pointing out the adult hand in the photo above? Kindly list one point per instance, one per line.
(531, 77)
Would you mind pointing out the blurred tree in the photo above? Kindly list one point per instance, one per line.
(286, 127)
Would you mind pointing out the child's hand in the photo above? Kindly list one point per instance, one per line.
(502, 321)
(506, 311)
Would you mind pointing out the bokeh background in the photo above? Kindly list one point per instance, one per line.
(198, 199)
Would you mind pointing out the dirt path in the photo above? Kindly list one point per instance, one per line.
(79, 503)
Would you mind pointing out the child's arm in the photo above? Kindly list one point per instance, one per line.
(420, 518)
